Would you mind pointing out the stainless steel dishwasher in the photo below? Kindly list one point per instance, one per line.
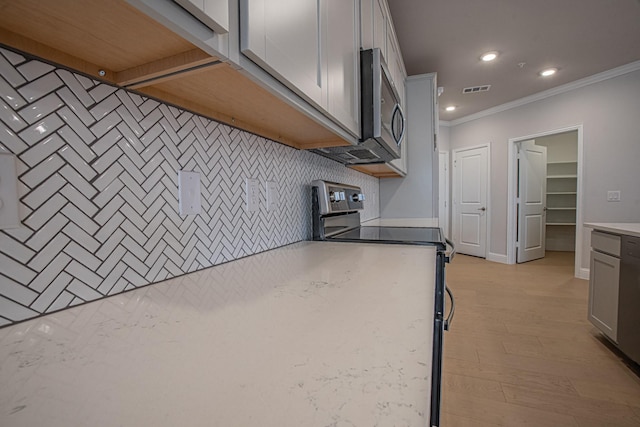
(629, 298)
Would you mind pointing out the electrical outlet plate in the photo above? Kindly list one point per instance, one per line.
(189, 193)
(613, 196)
(253, 195)
(9, 214)
(273, 199)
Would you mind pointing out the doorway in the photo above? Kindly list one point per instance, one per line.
(563, 194)
(470, 200)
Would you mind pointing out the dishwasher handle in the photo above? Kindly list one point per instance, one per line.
(449, 257)
(449, 319)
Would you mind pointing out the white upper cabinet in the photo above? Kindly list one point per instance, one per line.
(343, 62)
(283, 37)
(377, 32)
(213, 13)
(373, 25)
(380, 25)
(311, 46)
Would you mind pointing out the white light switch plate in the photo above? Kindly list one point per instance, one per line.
(253, 195)
(189, 192)
(273, 198)
(613, 196)
(9, 216)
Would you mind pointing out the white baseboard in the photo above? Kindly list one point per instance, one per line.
(583, 274)
(502, 259)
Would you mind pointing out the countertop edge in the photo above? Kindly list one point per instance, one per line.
(626, 228)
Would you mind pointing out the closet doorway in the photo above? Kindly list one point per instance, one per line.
(562, 195)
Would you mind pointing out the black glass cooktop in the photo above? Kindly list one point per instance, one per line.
(401, 235)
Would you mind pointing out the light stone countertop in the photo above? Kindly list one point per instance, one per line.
(311, 334)
(626, 228)
(401, 222)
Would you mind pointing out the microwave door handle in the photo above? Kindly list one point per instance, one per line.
(397, 110)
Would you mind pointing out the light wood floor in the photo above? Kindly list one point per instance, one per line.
(521, 352)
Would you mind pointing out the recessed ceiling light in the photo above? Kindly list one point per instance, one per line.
(489, 56)
(451, 108)
(548, 72)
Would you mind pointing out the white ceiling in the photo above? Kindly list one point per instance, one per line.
(579, 37)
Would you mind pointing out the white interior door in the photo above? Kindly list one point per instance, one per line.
(443, 193)
(470, 200)
(532, 191)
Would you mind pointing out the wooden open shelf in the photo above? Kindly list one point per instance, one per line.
(379, 170)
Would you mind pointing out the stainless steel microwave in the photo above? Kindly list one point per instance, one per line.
(382, 119)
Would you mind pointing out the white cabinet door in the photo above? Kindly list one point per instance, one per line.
(366, 24)
(392, 58)
(283, 37)
(532, 190)
(470, 188)
(218, 11)
(343, 58)
(380, 25)
(213, 13)
(373, 25)
(604, 277)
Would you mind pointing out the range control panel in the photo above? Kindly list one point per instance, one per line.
(335, 198)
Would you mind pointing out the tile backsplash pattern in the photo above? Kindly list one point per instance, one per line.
(97, 169)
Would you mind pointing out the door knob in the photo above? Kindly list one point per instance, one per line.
(482, 209)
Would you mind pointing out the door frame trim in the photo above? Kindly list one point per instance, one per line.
(511, 195)
(447, 191)
(454, 203)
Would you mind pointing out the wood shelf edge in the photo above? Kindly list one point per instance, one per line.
(164, 68)
(378, 170)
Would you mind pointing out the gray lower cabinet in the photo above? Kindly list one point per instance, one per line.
(604, 280)
(604, 283)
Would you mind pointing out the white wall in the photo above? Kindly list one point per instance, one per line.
(416, 195)
(610, 114)
(561, 147)
(444, 137)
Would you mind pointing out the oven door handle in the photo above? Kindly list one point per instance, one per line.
(451, 254)
(449, 319)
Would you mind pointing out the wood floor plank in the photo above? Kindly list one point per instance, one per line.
(568, 351)
(510, 375)
(525, 328)
(570, 332)
(502, 414)
(479, 387)
(572, 405)
(629, 394)
(450, 420)
(609, 372)
(594, 422)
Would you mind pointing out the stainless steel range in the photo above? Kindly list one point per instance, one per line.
(336, 217)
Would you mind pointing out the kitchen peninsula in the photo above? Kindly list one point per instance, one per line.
(310, 334)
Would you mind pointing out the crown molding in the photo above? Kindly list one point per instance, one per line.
(596, 78)
(444, 123)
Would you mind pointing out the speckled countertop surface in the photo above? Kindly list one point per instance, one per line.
(312, 334)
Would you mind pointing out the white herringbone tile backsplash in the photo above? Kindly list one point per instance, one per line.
(97, 170)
